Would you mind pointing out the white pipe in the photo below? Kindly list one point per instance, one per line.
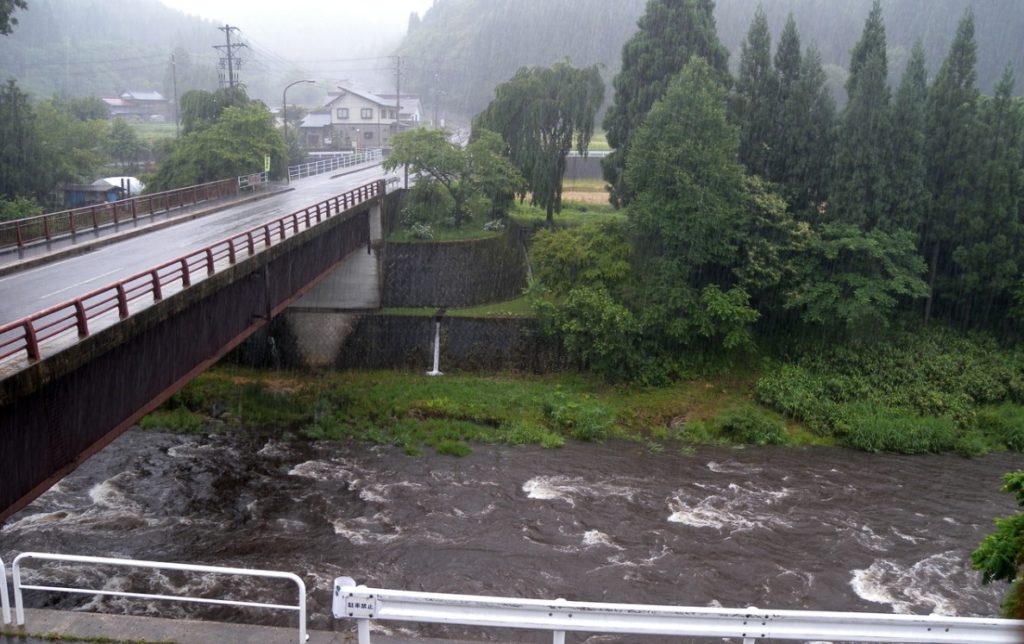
(437, 351)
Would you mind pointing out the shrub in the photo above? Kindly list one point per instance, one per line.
(1004, 423)
(751, 426)
(584, 420)
(453, 448)
(884, 429)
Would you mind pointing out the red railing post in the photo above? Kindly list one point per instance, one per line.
(209, 262)
(81, 320)
(231, 251)
(71, 222)
(266, 235)
(46, 227)
(17, 234)
(122, 301)
(280, 223)
(151, 200)
(318, 213)
(295, 223)
(31, 343)
(135, 215)
(157, 291)
(186, 277)
(95, 224)
(252, 243)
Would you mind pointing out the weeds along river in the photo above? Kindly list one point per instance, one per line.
(812, 528)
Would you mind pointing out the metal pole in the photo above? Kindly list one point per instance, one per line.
(284, 112)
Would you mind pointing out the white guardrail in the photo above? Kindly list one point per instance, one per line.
(19, 605)
(750, 624)
(333, 163)
(5, 602)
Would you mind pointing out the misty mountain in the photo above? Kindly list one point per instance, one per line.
(104, 47)
(461, 49)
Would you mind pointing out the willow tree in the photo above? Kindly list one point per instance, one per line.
(541, 114)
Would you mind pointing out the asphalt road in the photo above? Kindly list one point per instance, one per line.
(35, 289)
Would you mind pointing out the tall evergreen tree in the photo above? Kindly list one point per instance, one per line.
(24, 169)
(805, 138)
(950, 154)
(754, 105)
(861, 193)
(787, 126)
(909, 192)
(987, 254)
(669, 33)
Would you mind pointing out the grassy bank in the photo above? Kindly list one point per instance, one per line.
(449, 413)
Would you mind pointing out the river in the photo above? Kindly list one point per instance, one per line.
(811, 528)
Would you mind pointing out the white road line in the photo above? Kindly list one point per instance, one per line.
(91, 279)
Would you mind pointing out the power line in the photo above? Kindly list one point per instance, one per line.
(229, 56)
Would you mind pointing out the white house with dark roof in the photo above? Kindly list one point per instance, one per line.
(356, 118)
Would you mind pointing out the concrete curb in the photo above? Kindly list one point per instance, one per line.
(81, 249)
(70, 626)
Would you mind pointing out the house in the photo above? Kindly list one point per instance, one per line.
(354, 118)
(139, 106)
(316, 131)
(98, 192)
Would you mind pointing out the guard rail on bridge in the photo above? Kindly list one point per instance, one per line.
(104, 306)
(333, 163)
(748, 624)
(20, 232)
(19, 604)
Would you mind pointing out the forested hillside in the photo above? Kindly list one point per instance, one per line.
(104, 47)
(461, 49)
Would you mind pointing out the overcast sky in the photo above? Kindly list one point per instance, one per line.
(313, 32)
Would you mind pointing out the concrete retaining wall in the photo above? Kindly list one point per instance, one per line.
(453, 274)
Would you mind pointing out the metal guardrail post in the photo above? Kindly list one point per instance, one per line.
(5, 602)
(19, 604)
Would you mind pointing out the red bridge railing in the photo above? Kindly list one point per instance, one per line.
(20, 232)
(24, 336)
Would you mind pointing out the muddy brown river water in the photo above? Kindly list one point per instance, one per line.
(798, 528)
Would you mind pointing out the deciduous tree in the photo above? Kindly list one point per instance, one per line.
(542, 113)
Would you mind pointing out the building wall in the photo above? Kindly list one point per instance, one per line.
(379, 126)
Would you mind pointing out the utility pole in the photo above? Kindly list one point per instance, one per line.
(174, 79)
(229, 58)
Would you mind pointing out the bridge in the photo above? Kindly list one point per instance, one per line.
(79, 364)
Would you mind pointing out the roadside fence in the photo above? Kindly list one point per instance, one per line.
(330, 164)
(19, 604)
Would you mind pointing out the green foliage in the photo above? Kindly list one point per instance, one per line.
(457, 174)
(853, 280)
(670, 34)
(751, 426)
(756, 93)
(1000, 556)
(23, 160)
(919, 384)
(584, 256)
(124, 145)
(18, 208)
(884, 429)
(178, 419)
(7, 19)
(233, 146)
(583, 418)
(453, 448)
(541, 114)
(1005, 423)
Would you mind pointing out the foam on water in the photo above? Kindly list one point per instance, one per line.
(732, 508)
(925, 586)
(732, 468)
(595, 538)
(570, 488)
(362, 531)
(322, 471)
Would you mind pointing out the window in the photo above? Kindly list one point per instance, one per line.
(366, 113)
(342, 113)
(368, 135)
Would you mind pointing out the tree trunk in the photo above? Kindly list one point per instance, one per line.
(551, 216)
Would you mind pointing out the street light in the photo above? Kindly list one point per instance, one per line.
(284, 111)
